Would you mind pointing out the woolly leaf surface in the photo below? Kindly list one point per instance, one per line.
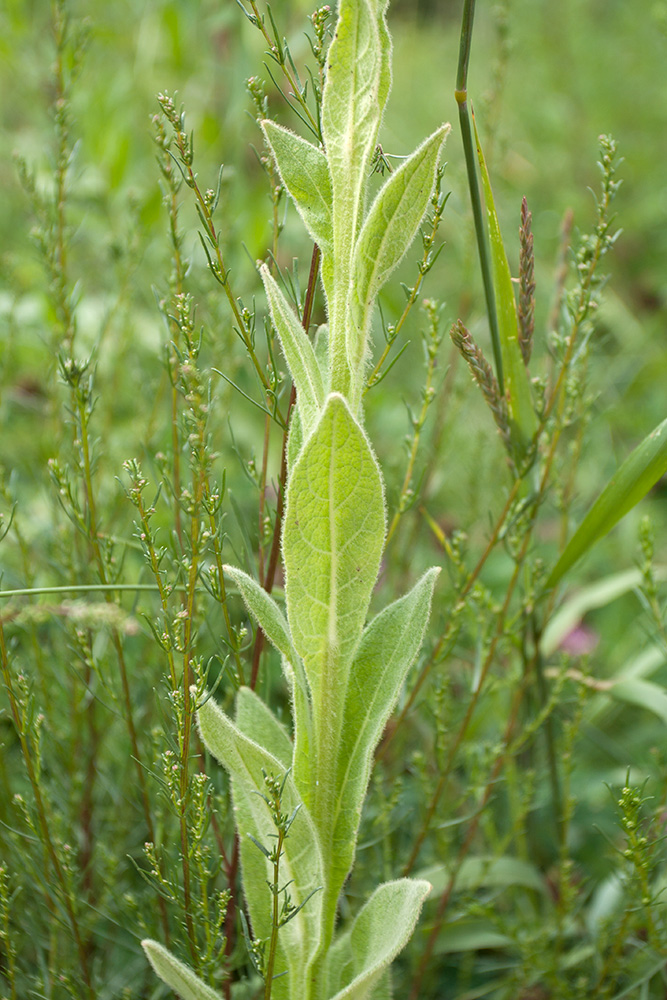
(359, 959)
(176, 974)
(305, 173)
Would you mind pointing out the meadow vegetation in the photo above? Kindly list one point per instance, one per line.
(516, 810)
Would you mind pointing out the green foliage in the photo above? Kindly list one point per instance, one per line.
(522, 420)
(299, 354)
(177, 975)
(357, 960)
(631, 482)
(333, 536)
(302, 867)
(242, 591)
(304, 171)
(388, 230)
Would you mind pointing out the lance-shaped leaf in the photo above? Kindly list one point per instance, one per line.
(359, 958)
(384, 85)
(299, 353)
(304, 171)
(332, 543)
(272, 621)
(178, 976)
(630, 483)
(294, 439)
(264, 610)
(321, 348)
(523, 422)
(388, 648)
(256, 721)
(357, 80)
(388, 230)
(301, 863)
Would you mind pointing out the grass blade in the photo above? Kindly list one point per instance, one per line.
(629, 484)
(523, 422)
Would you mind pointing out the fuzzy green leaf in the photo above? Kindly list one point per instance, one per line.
(301, 863)
(321, 348)
(359, 958)
(357, 81)
(270, 618)
(387, 650)
(523, 422)
(630, 483)
(256, 721)
(395, 216)
(390, 227)
(384, 85)
(332, 544)
(294, 439)
(305, 173)
(178, 976)
(299, 354)
(264, 610)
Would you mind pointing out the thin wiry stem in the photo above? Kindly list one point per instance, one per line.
(47, 840)
(262, 497)
(178, 272)
(470, 709)
(456, 743)
(63, 159)
(447, 638)
(443, 902)
(278, 51)
(590, 255)
(204, 206)
(93, 535)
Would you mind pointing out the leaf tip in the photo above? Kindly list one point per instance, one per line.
(154, 951)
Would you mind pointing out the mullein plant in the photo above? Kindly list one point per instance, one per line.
(298, 797)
